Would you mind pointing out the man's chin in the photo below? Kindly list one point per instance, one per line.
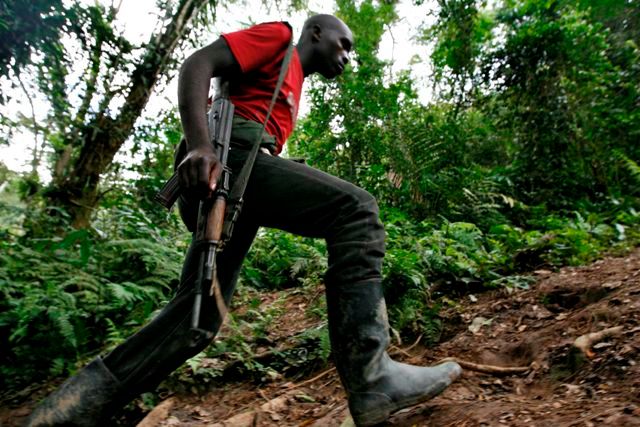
(331, 74)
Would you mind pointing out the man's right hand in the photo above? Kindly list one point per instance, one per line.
(199, 171)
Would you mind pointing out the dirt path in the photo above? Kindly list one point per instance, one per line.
(536, 328)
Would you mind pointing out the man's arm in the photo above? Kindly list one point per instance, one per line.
(199, 170)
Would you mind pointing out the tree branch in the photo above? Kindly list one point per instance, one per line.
(36, 157)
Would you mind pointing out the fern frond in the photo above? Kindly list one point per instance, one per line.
(61, 319)
(631, 166)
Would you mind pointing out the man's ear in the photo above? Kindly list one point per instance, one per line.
(316, 33)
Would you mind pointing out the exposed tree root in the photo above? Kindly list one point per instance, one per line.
(584, 342)
(488, 369)
(317, 377)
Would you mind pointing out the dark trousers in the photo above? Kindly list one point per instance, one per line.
(280, 194)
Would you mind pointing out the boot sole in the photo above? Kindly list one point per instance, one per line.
(372, 417)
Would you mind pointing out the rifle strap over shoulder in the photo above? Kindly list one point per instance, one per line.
(237, 191)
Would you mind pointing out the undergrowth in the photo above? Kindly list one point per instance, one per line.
(81, 292)
(74, 293)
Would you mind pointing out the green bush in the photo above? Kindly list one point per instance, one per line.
(67, 293)
(280, 260)
(456, 257)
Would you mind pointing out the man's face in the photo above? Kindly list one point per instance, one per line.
(333, 50)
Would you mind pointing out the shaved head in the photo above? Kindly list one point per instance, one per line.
(324, 21)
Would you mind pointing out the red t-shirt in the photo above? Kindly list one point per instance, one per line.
(260, 50)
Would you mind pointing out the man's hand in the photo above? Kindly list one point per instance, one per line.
(199, 172)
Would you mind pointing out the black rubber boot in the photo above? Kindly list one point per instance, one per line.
(83, 400)
(376, 385)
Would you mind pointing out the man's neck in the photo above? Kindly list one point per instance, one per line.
(305, 54)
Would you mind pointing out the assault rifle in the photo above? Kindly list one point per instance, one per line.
(211, 232)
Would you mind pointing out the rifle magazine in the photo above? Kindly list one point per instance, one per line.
(169, 192)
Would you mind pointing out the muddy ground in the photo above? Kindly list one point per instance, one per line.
(534, 329)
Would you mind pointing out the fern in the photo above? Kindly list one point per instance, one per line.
(61, 292)
(631, 166)
(61, 318)
(58, 366)
(114, 336)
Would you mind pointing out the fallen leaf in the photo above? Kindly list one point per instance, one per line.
(302, 397)
(275, 417)
(478, 323)
(541, 272)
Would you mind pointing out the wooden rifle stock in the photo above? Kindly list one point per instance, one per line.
(209, 238)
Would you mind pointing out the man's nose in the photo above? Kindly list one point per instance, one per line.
(345, 58)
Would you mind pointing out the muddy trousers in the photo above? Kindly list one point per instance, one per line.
(280, 194)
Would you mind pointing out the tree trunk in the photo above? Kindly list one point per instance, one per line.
(78, 191)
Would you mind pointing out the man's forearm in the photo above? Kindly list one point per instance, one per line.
(193, 90)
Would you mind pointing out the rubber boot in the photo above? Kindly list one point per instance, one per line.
(376, 386)
(83, 400)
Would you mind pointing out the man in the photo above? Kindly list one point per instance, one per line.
(280, 194)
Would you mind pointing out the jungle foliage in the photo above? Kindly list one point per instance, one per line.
(525, 158)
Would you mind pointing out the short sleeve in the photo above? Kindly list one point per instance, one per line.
(257, 45)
